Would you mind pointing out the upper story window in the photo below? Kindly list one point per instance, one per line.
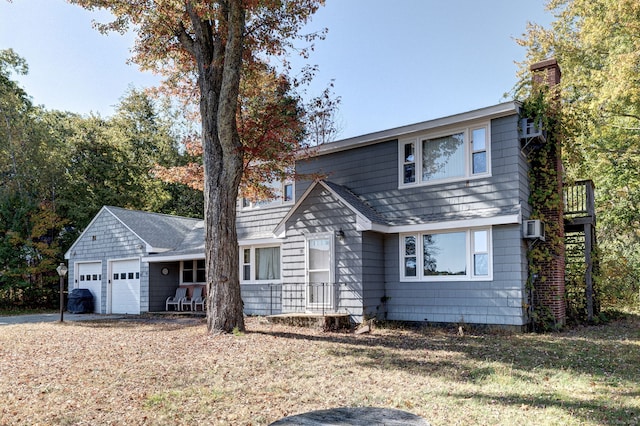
(457, 155)
(283, 194)
(446, 256)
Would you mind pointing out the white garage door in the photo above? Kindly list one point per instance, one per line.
(90, 277)
(125, 287)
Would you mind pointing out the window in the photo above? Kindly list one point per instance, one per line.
(481, 253)
(410, 256)
(260, 263)
(409, 169)
(457, 155)
(201, 274)
(479, 150)
(283, 194)
(442, 256)
(193, 271)
(443, 158)
(246, 264)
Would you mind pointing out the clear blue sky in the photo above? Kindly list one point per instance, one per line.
(393, 63)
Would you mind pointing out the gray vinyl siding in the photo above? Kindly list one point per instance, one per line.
(259, 222)
(371, 172)
(373, 274)
(113, 241)
(163, 286)
(322, 213)
(262, 299)
(500, 301)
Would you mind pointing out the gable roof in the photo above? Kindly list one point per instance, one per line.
(356, 204)
(366, 216)
(159, 232)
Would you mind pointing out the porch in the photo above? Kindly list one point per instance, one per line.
(303, 302)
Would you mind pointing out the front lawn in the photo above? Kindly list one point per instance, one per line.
(169, 371)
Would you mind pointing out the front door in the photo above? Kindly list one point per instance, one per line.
(319, 292)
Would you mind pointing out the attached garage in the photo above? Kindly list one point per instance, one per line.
(108, 258)
(89, 276)
(125, 286)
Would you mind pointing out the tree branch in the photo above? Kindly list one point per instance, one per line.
(185, 39)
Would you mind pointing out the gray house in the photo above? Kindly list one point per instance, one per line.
(417, 223)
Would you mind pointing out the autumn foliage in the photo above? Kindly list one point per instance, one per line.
(217, 51)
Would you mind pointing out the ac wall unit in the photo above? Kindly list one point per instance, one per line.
(530, 128)
(533, 229)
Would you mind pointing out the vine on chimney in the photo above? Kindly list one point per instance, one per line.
(544, 197)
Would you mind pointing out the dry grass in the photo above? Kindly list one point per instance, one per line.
(150, 371)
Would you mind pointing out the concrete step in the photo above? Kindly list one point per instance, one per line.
(327, 322)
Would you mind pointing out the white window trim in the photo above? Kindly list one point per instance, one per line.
(468, 156)
(332, 269)
(194, 262)
(252, 264)
(332, 247)
(280, 201)
(469, 252)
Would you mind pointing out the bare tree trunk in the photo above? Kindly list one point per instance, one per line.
(219, 66)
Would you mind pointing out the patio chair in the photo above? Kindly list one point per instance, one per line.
(181, 294)
(194, 300)
(198, 301)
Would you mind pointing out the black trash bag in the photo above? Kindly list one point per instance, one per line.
(80, 301)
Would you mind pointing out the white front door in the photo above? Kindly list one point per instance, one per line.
(89, 276)
(125, 286)
(320, 292)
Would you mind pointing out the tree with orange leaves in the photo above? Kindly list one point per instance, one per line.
(213, 42)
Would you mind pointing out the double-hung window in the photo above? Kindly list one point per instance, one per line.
(282, 194)
(260, 263)
(446, 256)
(444, 157)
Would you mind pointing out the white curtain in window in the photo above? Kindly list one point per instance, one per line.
(268, 263)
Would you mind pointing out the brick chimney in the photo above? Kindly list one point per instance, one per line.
(550, 285)
(546, 73)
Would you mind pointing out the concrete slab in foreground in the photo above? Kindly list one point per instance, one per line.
(353, 416)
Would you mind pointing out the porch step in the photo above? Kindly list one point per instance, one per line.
(318, 321)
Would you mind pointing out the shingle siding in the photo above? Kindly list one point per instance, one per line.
(321, 213)
(164, 286)
(373, 274)
(259, 222)
(361, 191)
(500, 301)
(372, 259)
(112, 241)
(372, 173)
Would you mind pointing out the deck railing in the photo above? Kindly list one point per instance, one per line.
(579, 199)
(272, 299)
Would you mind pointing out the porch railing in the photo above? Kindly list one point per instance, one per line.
(273, 299)
(579, 199)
